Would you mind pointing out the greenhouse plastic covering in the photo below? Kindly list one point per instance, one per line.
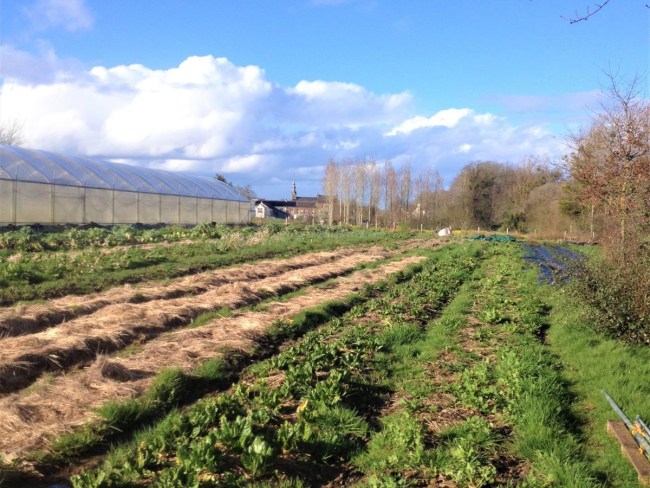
(35, 166)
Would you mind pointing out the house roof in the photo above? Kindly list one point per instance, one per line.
(276, 203)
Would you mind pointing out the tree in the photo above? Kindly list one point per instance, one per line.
(479, 191)
(428, 187)
(391, 192)
(404, 178)
(11, 133)
(346, 183)
(361, 188)
(247, 191)
(610, 170)
(331, 179)
(610, 163)
(374, 190)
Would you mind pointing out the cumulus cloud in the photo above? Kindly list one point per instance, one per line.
(445, 118)
(71, 15)
(209, 115)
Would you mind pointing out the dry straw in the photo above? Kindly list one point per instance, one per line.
(24, 358)
(27, 319)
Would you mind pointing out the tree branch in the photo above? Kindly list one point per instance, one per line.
(590, 13)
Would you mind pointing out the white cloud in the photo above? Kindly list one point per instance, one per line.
(244, 163)
(321, 103)
(208, 115)
(445, 118)
(72, 15)
(41, 66)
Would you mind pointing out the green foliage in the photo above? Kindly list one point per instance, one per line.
(594, 362)
(617, 297)
(318, 402)
(466, 451)
(477, 387)
(400, 334)
(399, 446)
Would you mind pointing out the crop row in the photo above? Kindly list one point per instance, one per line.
(27, 239)
(302, 413)
(517, 384)
(477, 399)
(30, 276)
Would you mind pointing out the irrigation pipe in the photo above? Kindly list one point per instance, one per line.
(640, 440)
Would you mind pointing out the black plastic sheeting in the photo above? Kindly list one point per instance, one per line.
(554, 262)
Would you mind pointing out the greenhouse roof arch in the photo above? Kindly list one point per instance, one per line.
(30, 165)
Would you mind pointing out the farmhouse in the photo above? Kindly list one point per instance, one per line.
(298, 208)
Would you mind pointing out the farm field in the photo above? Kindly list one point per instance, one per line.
(385, 360)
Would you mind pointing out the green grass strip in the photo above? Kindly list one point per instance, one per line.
(593, 362)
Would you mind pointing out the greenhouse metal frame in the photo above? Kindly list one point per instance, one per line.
(47, 188)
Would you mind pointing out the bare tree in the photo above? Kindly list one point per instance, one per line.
(247, 191)
(428, 187)
(330, 187)
(405, 189)
(611, 161)
(374, 178)
(347, 187)
(391, 192)
(11, 133)
(361, 188)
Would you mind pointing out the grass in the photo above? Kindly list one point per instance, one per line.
(591, 363)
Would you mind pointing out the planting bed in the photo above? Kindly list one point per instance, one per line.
(62, 360)
(354, 367)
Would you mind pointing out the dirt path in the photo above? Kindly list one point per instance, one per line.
(31, 420)
(24, 358)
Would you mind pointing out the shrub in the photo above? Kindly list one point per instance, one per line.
(618, 297)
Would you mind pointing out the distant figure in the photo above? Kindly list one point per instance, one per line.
(444, 232)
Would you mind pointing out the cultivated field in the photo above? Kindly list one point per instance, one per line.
(351, 358)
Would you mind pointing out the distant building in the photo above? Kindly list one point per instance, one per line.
(309, 209)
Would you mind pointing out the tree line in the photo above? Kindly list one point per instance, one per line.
(487, 195)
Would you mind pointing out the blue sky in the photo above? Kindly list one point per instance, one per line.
(265, 91)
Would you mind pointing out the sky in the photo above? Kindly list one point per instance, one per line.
(268, 91)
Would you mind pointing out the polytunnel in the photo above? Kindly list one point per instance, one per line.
(47, 188)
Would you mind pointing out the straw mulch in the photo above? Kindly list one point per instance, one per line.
(55, 406)
(27, 319)
(24, 358)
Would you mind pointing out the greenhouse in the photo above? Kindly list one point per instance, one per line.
(47, 188)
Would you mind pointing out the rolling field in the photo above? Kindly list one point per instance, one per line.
(386, 360)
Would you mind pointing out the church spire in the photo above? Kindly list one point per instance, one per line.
(294, 192)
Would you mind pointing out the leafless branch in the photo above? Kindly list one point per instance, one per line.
(590, 13)
(11, 133)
